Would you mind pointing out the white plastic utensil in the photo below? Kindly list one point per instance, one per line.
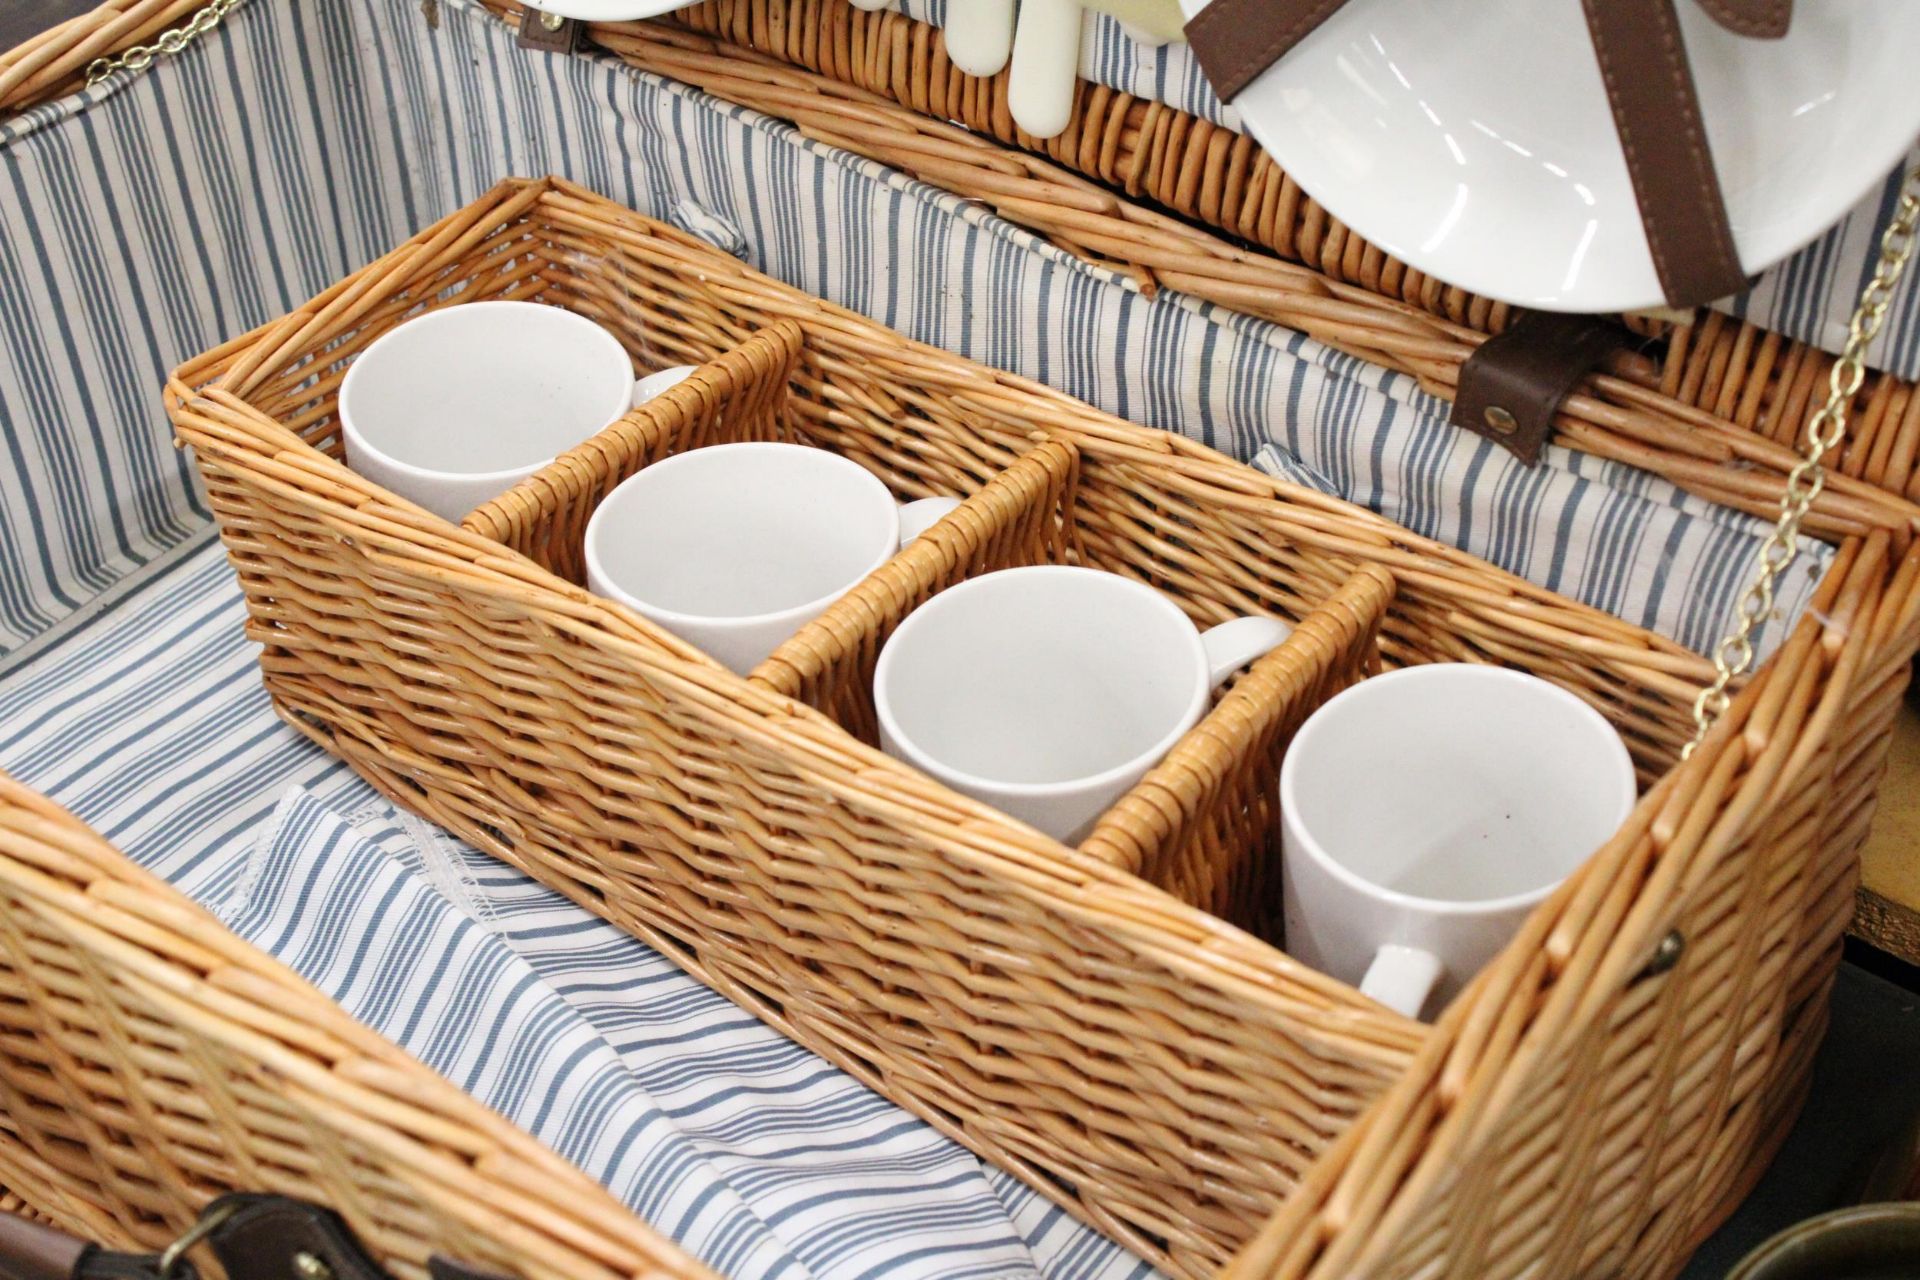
(1150, 22)
(979, 35)
(1046, 66)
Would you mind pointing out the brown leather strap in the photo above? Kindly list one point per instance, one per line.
(33, 1251)
(1511, 388)
(1650, 87)
(439, 1268)
(568, 35)
(1235, 40)
(267, 1235)
(1761, 19)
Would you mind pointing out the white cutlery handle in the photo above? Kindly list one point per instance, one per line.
(979, 35)
(1046, 66)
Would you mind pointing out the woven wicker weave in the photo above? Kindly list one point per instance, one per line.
(150, 1060)
(1171, 1078)
(1714, 405)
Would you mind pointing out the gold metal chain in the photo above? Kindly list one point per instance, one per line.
(171, 41)
(1825, 430)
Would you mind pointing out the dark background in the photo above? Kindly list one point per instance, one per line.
(21, 20)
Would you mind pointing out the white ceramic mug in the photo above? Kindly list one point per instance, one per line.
(1048, 691)
(734, 547)
(1426, 811)
(457, 406)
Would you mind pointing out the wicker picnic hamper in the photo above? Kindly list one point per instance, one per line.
(1108, 1022)
(1596, 1101)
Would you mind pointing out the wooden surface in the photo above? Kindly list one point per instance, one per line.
(1889, 915)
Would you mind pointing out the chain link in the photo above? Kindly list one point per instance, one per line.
(1825, 430)
(171, 41)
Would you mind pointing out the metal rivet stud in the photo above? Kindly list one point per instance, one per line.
(1667, 954)
(552, 22)
(310, 1267)
(1501, 421)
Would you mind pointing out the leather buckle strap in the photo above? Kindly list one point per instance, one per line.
(1511, 387)
(254, 1237)
(549, 32)
(1650, 89)
(1236, 40)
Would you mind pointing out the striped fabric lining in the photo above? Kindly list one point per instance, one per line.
(142, 222)
(1809, 296)
(150, 722)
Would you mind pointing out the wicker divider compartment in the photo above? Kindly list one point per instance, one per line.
(1169, 1077)
(1203, 825)
(150, 1060)
(1016, 518)
(736, 396)
(1714, 405)
(1199, 826)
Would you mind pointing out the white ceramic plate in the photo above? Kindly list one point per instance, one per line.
(610, 10)
(1472, 138)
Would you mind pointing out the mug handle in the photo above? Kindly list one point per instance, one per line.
(1232, 645)
(922, 514)
(1402, 978)
(653, 384)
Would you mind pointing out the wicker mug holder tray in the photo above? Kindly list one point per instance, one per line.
(1072, 1014)
(1200, 825)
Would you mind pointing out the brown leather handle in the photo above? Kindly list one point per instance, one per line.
(1656, 111)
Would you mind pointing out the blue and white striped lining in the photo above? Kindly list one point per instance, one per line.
(1809, 296)
(140, 223)
(169, 236)
(148, 720)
